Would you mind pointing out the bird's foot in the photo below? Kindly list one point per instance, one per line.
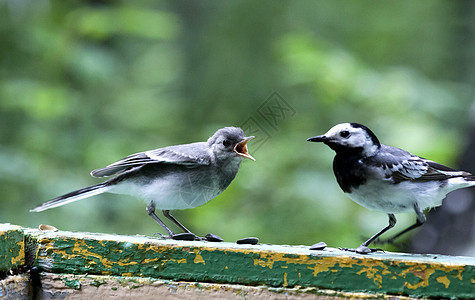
(179, 237)
(162, 236)
(362, 249)
(188, 236)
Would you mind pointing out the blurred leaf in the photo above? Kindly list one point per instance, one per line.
(36, 99)
(124, 20)
(83, 84)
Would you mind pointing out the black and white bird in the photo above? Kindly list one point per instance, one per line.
(174, 177)
(388, 179)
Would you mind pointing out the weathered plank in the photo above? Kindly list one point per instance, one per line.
(270, 265)
(15, 287)
(67, 286)
(12, 247)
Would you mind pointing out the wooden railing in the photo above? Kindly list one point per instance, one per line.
(58, 264)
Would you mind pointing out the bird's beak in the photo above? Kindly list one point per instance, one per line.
(241, 148)
(319, 138)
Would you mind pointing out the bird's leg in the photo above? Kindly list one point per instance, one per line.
(392, 222)
(363, 248)
(151, 212)
(421, 219)
(209, 237)
(187, 235)
(167, 214)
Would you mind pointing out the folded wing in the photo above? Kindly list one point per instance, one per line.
(400, 165)
(180, 155)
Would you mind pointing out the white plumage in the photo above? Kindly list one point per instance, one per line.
(388, 179)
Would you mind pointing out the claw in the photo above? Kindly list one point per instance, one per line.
(362, 249)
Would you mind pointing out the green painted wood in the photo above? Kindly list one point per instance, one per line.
(12, 247)
(271, 265)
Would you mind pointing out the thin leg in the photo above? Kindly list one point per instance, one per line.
(188, 235)
(392, 222)
(421, 219)
(167, 214)
(151, 212)
(363, 248)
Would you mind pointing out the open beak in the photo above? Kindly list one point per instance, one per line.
(241, 148)
(319, 138)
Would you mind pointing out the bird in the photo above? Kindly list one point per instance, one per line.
(171, 178)
(387, 179)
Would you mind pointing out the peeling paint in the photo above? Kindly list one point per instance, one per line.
(12, 247)
(444, 280)
(419, 271)
(198, 258)
(74, 283)
(275, 266)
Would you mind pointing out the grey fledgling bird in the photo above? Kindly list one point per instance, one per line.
(174, 177)
(388, 179)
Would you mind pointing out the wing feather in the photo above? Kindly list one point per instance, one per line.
(191, 155)
(400, 165)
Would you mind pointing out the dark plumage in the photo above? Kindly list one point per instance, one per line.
(388, 179)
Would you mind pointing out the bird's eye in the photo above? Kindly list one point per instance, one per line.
(345, 133)
(226, 143)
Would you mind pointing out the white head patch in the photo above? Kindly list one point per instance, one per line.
(352, 137)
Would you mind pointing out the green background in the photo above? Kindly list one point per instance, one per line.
(85, 83)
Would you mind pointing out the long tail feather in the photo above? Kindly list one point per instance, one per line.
(72, 196)
(470, 178)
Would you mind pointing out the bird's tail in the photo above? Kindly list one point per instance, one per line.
(73, 196)
(469, 180)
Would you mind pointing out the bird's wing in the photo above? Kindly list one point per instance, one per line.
(400, 165)
(190, 155)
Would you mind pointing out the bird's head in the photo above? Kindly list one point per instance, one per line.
(350, 137)
(230, 142)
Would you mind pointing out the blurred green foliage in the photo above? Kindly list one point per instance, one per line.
(85, 83)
